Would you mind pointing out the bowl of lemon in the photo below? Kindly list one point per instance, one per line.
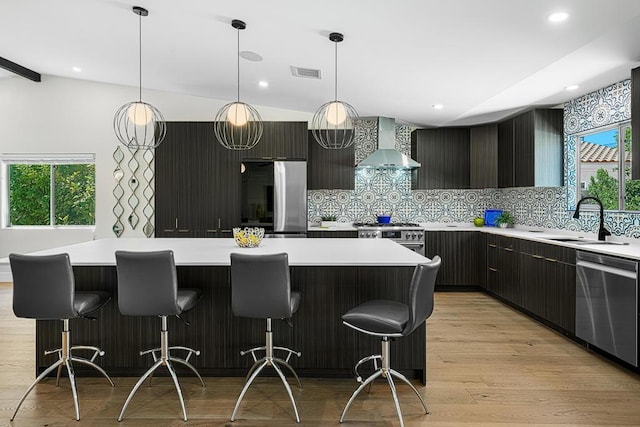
(248, 237)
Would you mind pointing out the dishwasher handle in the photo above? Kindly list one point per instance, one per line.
(607, 269)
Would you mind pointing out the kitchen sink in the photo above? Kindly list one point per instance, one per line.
(581, 241)
(571, 239)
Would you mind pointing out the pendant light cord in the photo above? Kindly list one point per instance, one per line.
(238, 59)
(140, 57)
(336, 70)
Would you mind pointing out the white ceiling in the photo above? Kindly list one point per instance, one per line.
(482, 59)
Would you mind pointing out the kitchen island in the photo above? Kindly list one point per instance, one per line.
(333, 276)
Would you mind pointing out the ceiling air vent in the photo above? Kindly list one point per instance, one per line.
(308, 73)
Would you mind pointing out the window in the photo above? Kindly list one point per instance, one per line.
(49, 189)
(604, 169)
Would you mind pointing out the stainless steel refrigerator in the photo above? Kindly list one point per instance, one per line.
(274, 196)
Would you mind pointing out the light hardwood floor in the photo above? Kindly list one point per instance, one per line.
(488, 365)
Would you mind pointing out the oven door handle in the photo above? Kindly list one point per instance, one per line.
(412, 245)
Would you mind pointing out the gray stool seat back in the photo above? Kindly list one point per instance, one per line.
(148, 285)
(44, 289)
(262, 286)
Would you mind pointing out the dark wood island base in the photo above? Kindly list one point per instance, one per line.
(329, 349)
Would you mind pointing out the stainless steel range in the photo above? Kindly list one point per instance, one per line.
(408, 234)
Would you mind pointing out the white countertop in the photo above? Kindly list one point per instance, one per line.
(302, 252)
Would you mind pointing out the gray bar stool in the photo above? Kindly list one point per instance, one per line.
(392, 319)
(148, 286)
(261, 289)
(44, 289)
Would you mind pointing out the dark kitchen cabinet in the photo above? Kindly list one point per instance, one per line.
(530, 149)
(197, 183)
(330, 169)
(548, 275)
(483, 156)
(536, 277)
(502, 268)
(346, 234)
(281, 140)
(444, 156)
(462, 254)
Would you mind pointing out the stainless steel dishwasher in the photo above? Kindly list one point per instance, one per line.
(607, 304)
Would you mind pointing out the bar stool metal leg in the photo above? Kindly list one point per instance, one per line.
(164, 359)
(269, 360)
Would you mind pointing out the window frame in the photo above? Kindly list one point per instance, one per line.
(620, 127)
(52, 160)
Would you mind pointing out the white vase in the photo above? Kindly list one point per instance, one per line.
(504, 225)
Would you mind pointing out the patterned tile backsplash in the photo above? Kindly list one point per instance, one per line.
(389, 191)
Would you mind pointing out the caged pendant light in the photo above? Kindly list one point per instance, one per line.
(139, 124)
(332, 124)
(238, 126)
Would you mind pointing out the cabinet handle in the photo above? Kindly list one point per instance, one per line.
(551, 259)
(183, 231)
(508, 249)
(219, 221)
(211, 231)
(491, 245)
(176, 222)
(492, 269)
(537, 256)
(170, 230)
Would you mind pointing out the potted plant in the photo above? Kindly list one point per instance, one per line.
(505, 220)
(329, 221)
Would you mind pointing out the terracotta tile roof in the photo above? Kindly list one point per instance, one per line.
(590, 152)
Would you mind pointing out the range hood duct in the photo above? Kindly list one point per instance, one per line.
(386, 156)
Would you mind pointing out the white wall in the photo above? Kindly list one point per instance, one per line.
(62, 115)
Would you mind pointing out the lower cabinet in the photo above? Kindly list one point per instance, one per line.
(536, 277)
(463, 257)
(348, 234)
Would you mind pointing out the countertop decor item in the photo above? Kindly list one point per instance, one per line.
(491, 217)
(478, 221)
(238, 126)
(138, 124)
(248, 237)
(505, 220)
(332, 124)
(383, 219)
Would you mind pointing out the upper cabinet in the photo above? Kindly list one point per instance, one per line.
(444, 156)
(524, 151)
(281, 140)
(635, 122)
(483, 156)
(197, 183)
(330, 169)
(530, 149)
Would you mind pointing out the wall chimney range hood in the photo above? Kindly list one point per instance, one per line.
(386, 156)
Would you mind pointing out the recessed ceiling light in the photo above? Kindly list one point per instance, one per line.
(558, 17)
(571, 87)
(250, 56)
(76, 69)
(438, 106)
(263, 83)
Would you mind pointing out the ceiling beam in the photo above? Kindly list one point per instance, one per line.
(19, 70)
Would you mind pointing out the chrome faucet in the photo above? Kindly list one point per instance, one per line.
(602, 232)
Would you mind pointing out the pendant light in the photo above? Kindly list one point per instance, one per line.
(332, 124)
(139, 124)
(238, 126)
